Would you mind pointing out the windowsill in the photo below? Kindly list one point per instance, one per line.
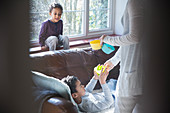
(35, 47)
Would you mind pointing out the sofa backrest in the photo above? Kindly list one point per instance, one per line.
(77, 62)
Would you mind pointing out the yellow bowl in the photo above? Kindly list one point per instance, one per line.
(98, 69)
(95, 44)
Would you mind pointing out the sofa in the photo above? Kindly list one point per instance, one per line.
(60, 63)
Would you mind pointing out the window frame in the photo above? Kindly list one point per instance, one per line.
(94, 33)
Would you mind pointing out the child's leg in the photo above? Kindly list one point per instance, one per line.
(112, 84)
(51, 42)
(64, 40)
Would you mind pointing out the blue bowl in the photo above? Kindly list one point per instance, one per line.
(106, 48)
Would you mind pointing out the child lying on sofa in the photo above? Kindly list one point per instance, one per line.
(85, 99)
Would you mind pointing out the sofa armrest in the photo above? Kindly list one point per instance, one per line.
(58, 105)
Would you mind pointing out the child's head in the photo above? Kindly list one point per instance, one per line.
(77, 89)
(55, 12)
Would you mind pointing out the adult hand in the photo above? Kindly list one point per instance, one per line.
(44, 48)
(101, 39)
(109, 65)
(103, 76)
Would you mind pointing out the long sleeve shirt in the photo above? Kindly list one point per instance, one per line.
(50, 29)
(97, 101)
(129, 54)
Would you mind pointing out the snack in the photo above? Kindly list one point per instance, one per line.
(98, 69)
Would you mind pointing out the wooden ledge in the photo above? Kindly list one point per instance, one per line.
(76, 43)
(71, 43)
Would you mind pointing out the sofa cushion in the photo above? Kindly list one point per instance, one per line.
(61, 63)
(53, 84)
(77, 62)
(58, 105)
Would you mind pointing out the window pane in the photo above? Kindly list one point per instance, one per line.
(39, 12)
(98, 14)
(40, 5)
(95, 4)
(72, 22)
(73, 17)
(98, 19)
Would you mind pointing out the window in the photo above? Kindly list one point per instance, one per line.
(81, 18)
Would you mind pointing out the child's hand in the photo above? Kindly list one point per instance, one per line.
(109, 65)
(96, 77)
(101, 39)
(103, 76)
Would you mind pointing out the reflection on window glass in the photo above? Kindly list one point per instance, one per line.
(73, 11)
(72, 23)
(98, 14)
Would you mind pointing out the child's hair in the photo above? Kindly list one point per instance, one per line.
(55, 5)
(71, 82)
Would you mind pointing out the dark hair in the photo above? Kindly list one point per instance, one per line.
(71, 82)
(55, 5)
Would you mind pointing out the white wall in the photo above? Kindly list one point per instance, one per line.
(120, 7)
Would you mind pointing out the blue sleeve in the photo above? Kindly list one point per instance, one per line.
(99, 105)
(90, 86)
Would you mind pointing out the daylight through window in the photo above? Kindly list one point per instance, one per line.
(81, 18)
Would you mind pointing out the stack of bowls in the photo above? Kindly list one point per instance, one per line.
(106, 48)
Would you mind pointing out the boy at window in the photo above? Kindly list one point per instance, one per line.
(88, 101)
(51, 33)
